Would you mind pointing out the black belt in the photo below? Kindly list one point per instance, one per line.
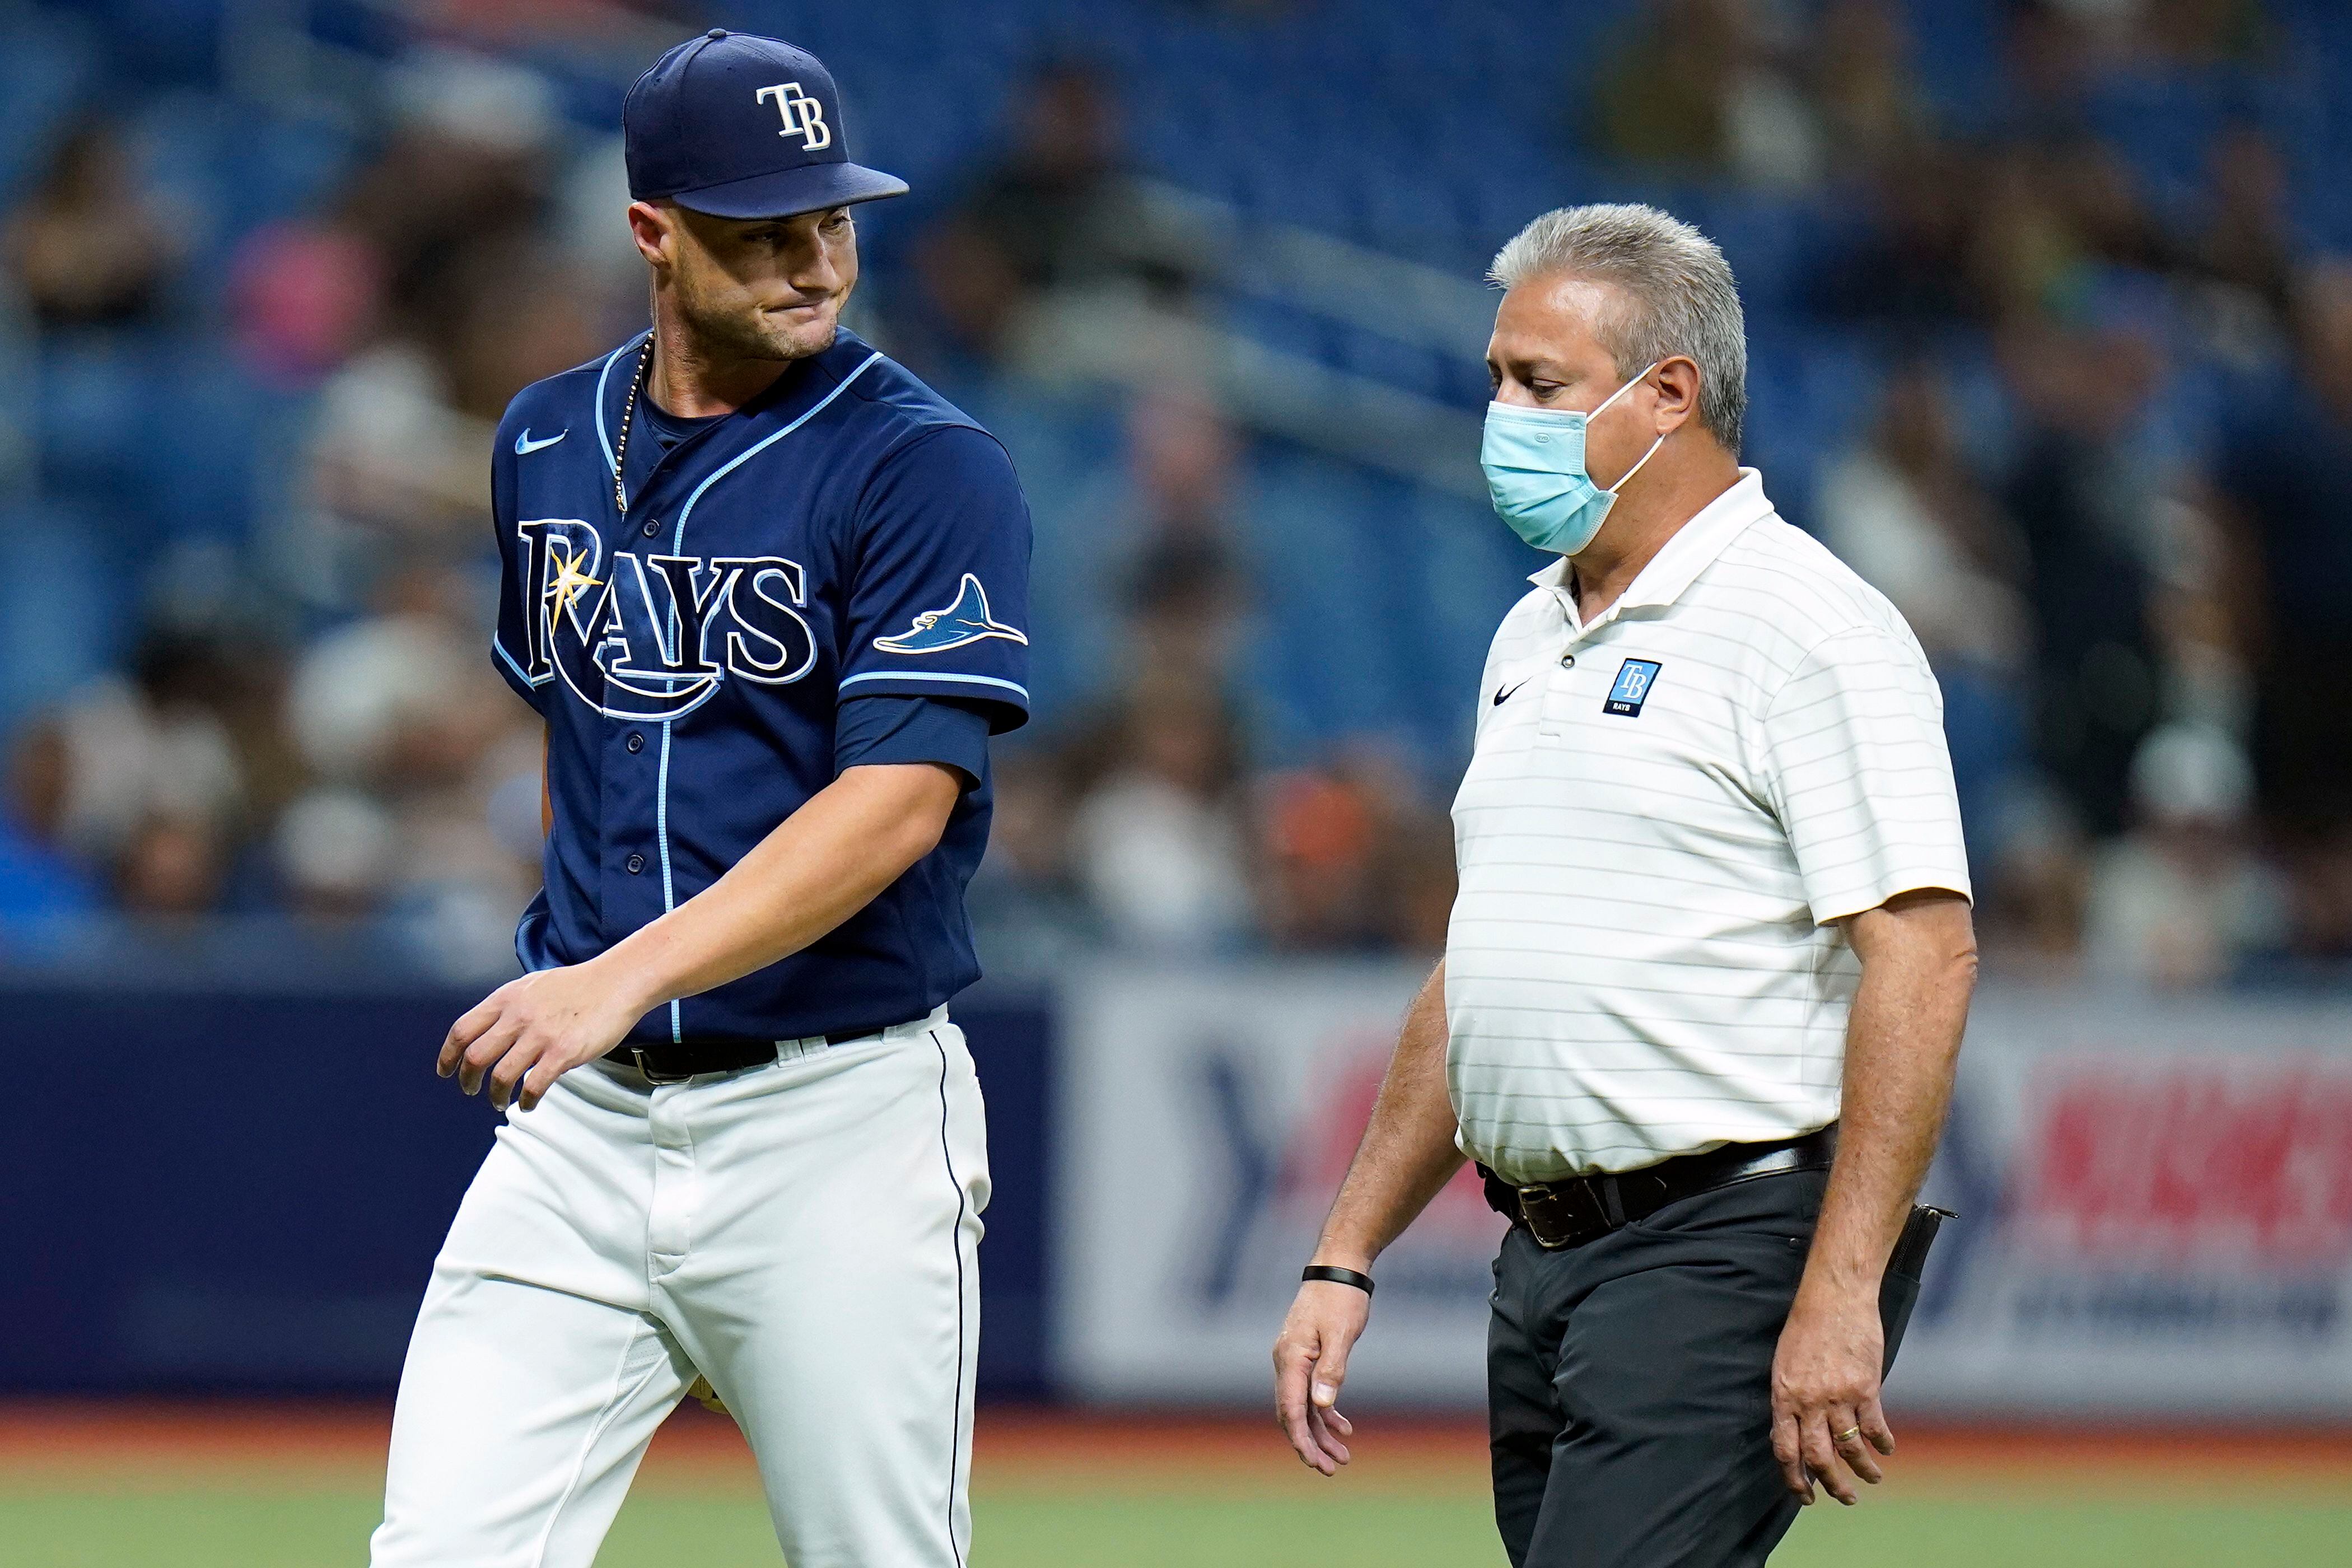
(692, 1058)
(1573, 1212)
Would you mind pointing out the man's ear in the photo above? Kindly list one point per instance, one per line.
(1677, 380)
(655, 229)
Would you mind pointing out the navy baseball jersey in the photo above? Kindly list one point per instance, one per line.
(846, 534)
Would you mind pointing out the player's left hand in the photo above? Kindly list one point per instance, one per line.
(531, 1031)
(1826, 1418)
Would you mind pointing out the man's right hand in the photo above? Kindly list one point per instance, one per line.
(1310, 1362)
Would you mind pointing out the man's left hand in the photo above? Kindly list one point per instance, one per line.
(531, 1031)
(1826, 1419)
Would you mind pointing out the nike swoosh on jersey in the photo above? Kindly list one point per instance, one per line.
(1504, 694)
(525, 445)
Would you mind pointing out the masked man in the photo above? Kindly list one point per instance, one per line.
(1706, 975)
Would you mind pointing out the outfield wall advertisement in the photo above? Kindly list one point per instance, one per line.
(1206, 1117)
(2156, 1201)
(2156, 1213)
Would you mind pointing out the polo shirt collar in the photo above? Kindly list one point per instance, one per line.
(1690, 551)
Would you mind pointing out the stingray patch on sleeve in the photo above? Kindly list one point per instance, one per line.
(967, 620)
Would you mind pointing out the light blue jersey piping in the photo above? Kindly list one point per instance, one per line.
(937, 675)
(677, 547)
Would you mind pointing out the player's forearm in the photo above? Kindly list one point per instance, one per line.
(1408, 1150)
(821, 864)
(1903, 1044)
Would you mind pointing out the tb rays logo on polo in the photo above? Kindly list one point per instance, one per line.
(1631, 687)
(653, 637)
(804, 115)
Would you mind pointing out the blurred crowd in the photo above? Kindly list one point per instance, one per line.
(2093, 438)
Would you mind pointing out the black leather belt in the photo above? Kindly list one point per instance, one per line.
(692, 1058)
(1570, 1213)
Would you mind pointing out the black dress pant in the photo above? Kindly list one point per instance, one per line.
(1628, 1382)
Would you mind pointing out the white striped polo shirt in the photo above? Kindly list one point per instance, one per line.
(1665, 813)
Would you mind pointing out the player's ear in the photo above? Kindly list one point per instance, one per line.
(654, 226)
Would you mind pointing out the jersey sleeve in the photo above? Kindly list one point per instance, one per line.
(938, 595)
(1859, 772)
(510, 641)
(873, 731)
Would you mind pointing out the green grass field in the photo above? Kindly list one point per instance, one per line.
(1199, 1509)
(254, 1527)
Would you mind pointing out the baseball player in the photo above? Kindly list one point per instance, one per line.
(767, 590)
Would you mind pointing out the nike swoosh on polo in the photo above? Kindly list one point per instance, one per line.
(1504, 695)
(525, 445)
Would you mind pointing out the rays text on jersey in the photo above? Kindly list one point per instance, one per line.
(654, 637)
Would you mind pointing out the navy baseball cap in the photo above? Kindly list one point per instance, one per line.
(740, 126)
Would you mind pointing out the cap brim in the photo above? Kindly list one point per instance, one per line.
(787, 191)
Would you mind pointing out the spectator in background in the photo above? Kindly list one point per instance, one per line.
(2200, 34)
(1698, 88)
(1870, 103)
(2245, 241)
(38, 881)
(1027, 908)
(1913, 263)
(90, 249)
(1353, 859)
(302, 298)
(145, 764)
(337, 853)
(2286, 475)
(2049, 58)
(2084, 502)
(436, 245)
(1909, 513)
(1058, 219)
(395, 705)
(172, 868)
(2182, 900)
(1321, 833)
(1144, 575)
(2037, 884)
(1184, 588)
(1159, 842)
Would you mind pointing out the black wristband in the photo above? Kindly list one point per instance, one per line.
(1324, 1271)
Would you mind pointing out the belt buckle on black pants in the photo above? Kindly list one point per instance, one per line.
(1561, 1214)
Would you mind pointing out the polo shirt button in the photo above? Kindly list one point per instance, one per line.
(1568, 661)
(653, 526)
(636, 864)
(637, 742)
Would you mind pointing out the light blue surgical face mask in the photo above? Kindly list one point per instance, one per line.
(1534, 460)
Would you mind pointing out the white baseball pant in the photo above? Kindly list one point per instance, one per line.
(803, 1234)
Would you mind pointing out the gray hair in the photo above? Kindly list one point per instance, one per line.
(1682, 298)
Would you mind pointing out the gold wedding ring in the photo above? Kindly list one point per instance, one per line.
(1849, 1432)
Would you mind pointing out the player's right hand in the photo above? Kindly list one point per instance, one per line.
(530, 1031)
(1310, 1362)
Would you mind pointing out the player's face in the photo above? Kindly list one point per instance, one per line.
(767, 289)
(1546, 353)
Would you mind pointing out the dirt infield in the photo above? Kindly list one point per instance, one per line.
(146, 1444)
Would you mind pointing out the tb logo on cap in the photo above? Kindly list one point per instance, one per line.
(804, 115)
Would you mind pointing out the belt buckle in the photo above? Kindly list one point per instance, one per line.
(1550, 1213)
(637, 1057)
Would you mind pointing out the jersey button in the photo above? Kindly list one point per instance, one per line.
(1568, 661)
(635, 863)
(637, 742)
(653, 526)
